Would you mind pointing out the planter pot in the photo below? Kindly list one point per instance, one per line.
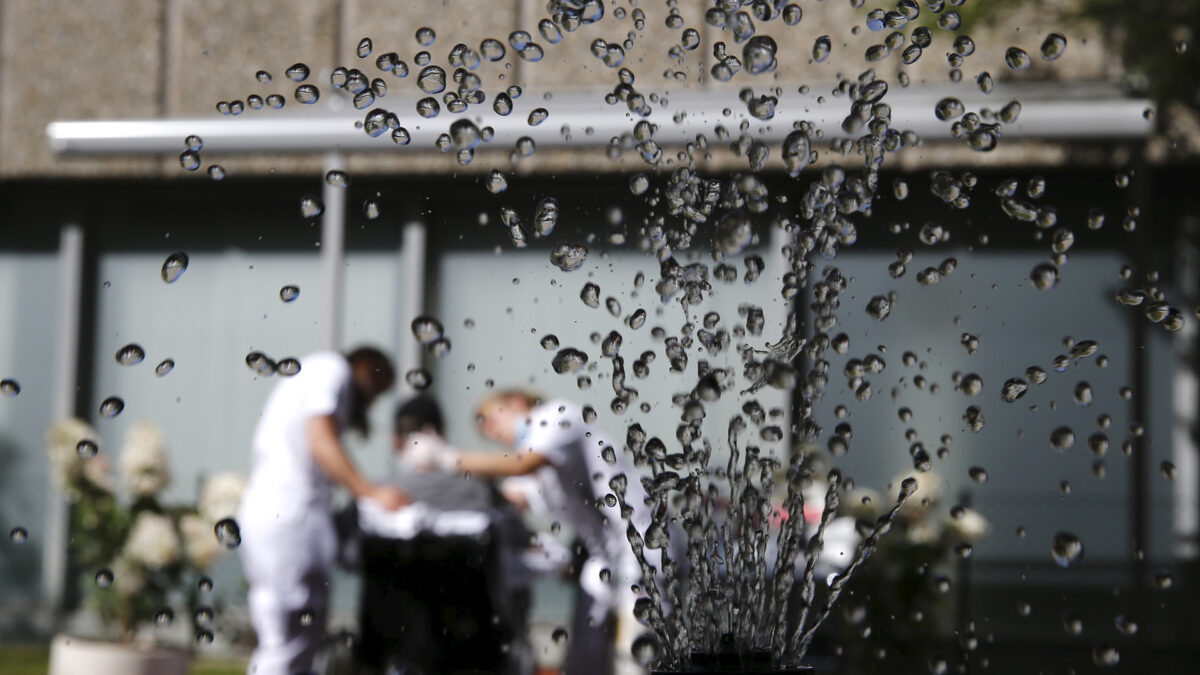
(72, 656)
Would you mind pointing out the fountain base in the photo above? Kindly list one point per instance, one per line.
(745, 663)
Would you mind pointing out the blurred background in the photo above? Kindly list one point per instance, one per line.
(96, 100)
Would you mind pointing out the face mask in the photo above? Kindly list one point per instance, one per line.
(520, 430)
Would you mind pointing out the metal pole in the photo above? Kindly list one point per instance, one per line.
(333, 249)
(54, 546)
(412, 294)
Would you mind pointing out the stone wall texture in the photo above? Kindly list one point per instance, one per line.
(122, 59)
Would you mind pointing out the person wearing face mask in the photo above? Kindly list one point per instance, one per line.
(288, 538)
(553, 434)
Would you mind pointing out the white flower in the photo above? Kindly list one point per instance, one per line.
(143, 461)
(923, 533)
(970, 525)
(61, 441)
(98, 472)
(199, 541)
(929, 492)
(152, 541)
(864, 503)
(127, 577)
(221, 496)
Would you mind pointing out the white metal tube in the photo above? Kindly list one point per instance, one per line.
(333, 251)
(1046, 114)
(66, 359)
(412, 299)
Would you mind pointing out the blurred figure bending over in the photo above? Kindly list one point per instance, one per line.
(288, 539)
(553, 434)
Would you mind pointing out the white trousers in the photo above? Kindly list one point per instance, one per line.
(287, 563)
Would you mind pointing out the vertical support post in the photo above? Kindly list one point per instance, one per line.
(66, 353)
(333, 251)
(412, 294)
(1186, 395)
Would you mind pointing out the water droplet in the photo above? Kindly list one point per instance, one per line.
(568, 360)
(1044, 276)
(263, 77)
(104, 578)
(364, 48)
(18, 535)
(418, 378)
(297, 72)
(492, 50)
(288, 366)
(307, 616)
(336, 178)
(425, 36)
(174, 266)
(204, 637)
(1017, 58)
(289, 293)
(131, 354)
(1163, 580)
(426, 329)
(111, 407)
(86, 448)
(310, 206)
(537, 116)
(189, 160)
(164, 617)
(590, 295)
(1062, 438)
(1066, 549)
(1072, 624)
(568, 256)
(978, 474)
(821, 48)
(758, 55)
(205, 584)
(10, 387)
(559, 635)
(203, 615)
(1168, 469)
(432, 80)
(879, 307)
(308, 94)
(549, 342)
(496, 182)
(948, 109)
(1053, 46)
(228, 533)
(1106, 656)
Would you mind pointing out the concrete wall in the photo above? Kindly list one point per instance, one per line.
(61, 59)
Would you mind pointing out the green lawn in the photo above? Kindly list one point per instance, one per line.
(33, 660)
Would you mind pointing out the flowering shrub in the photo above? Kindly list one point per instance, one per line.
(137, 556)
(900, 605)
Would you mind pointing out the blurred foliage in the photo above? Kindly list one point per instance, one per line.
(1153, 37)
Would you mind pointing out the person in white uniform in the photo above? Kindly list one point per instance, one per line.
(554, 435)
(288, 539)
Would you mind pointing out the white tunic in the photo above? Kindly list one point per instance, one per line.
(575, 451)
(285, 481)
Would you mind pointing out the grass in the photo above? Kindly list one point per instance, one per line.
(35, 659)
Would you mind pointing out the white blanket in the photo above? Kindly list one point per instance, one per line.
(408, 522)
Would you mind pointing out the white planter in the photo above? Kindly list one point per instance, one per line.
(72, 656)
